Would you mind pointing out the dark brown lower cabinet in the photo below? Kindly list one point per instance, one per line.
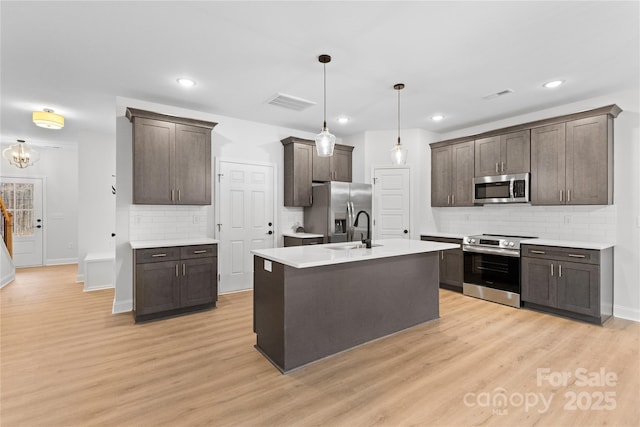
(175, 280)
(576, 283)
(451, 263)
(302, 241)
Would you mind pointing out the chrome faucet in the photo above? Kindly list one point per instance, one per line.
(366, 241)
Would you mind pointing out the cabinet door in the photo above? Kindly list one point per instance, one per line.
(298, 170)
(198, 283)
(157, 287)
(548, 165)
(441, 176)
(451, 273)
(538, 279)
(321, 167)
(587, 151)
(462, 174)
(153, 161)
(341, 165)
(515, 152)
(487, 156)
(578, 288)
(193, 165)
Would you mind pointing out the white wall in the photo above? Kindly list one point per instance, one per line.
(618, 223)
(232, 139)
(96, 204)
(59, 167)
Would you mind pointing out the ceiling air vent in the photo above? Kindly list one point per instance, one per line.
(290, 102)
(497, 94)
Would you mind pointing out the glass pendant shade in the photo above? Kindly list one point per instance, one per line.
(48, 119)
(399, 154)
(20, 155)
(325, 143)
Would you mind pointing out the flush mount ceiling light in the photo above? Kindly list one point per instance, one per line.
(48, 119)
(325, 142)
(20, 155)
(437, 117)
(398, 153)
(343, 120)
(186, 82)
(552, 84)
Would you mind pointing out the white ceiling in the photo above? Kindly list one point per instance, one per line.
(76, 57)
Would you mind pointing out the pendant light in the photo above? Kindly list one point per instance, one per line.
(48, 119)
(398, 153)
(20, 155)
(325, 142)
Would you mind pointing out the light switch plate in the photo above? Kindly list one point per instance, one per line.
(267, 265)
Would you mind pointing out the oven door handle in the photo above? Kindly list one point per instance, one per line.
(515, 253)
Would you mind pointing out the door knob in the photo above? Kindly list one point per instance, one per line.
(269, 232)
(270, 224)
(38, 226)
(405, 231)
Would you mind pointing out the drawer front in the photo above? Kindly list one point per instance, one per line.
(198, 251)
(588, 256)
(157, 254)
(312, 241)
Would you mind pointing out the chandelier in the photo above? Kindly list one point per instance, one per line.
(20, 155)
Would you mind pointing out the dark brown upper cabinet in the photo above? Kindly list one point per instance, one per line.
(302, 166)
(503, 154)
(452, 174)
(171, 159)
(572, 162)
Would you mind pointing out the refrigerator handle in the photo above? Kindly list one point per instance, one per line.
(349, 222)
(353, 218)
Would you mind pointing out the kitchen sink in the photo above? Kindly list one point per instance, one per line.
(352, 246)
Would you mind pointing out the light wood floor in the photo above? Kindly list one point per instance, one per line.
(67, 361)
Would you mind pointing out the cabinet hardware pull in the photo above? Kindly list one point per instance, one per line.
(178, 195)
(502, 167)
(552, 269)
(496, 167)
(561, 191)
(568, 195)
(453, 199)
(448, 199)
(537, 252)
(172, 195)
(184, 270)
(157, 255)
(577, 256)
(559, 270)
(176, 270)
(441, 254)
(200, 252)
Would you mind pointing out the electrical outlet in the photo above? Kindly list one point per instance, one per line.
(196, 219)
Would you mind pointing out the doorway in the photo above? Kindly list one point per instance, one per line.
(245, 219)
(23, 198)
(392, 202)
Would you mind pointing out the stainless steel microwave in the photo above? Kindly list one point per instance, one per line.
(501, 189)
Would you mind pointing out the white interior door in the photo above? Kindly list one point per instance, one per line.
(246, 220)
(23, 198)
(392, 203)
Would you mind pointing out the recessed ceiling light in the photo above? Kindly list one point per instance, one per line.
(186, 82)
(437, 117)
(343, 120)
(552, 84)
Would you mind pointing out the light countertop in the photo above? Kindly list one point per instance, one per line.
(319, 255)
(145, 244)
(567, 244)
(302, 235)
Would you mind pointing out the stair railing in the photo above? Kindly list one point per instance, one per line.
(7, 227)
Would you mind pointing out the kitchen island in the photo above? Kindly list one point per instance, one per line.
(314, 301)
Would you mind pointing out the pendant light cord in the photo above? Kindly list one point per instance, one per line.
(398, 116)
(324, 72)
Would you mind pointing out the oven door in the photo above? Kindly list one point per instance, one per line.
(492, 271)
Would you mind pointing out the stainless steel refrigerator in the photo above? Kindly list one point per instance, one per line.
(334, 209)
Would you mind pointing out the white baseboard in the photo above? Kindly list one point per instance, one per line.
(80, 278)
(61, 261)
(100, 288)
(626, 313)
(8, 278)
(236, 291)
(122, 306)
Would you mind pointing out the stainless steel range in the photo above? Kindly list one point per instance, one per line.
(492, 267)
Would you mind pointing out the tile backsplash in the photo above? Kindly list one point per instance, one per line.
(155, 222)
(579, 223)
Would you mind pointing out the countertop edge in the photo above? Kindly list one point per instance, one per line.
(568, 244)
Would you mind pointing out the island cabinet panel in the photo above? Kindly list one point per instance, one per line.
(451, 263)
(171, 159)
(305, 314)
(572, 282)
(174, 280)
